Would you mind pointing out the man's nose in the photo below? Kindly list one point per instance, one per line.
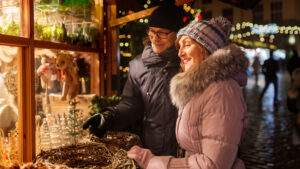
(156, 37)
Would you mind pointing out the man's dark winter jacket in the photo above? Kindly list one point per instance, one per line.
(146, 96)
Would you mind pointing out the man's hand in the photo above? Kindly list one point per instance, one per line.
(99, 123)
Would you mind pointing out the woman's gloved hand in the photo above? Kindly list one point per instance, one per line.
(141, 155)
(99, 123)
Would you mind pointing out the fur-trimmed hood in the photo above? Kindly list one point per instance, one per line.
(220, 65)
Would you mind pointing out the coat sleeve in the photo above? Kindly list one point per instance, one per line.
(220, 129)
(130, 109)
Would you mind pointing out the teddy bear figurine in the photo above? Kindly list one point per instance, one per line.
(47, 71)
(67, 75)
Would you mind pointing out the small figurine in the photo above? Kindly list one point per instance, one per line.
(47, 71)
(68, 75)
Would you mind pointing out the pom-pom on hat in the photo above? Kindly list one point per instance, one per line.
(167, 16)
(212, 34)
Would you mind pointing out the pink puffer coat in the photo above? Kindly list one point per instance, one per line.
(212, 113)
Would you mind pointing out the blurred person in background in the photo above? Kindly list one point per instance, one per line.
(270, 69)
(256, 68)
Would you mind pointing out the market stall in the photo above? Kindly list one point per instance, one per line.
(56, 56)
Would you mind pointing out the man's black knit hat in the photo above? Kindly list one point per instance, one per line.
(167, 16)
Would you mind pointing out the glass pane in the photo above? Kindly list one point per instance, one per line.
(67, 21)
(61, 76)
(8, 105)
(10, 17)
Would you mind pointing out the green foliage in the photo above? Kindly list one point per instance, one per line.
(137, 30)
(84, 36)
(12, 29)
(100, 102)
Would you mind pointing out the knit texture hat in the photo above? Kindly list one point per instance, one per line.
(167, 16)
(212, 34)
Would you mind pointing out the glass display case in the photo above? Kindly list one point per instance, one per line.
(63, 96)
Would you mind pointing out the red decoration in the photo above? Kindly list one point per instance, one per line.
(129, 12)
(184, 19)
(199, 16)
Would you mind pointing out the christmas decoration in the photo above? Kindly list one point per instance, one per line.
(9, 147)
(75, 121)
(45, 138)
(55, 134)
(92, 152)
(65, 136)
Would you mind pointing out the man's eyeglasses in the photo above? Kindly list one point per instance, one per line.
(161, 35)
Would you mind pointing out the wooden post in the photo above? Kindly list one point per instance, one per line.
(141, 14)
(111, 46)
(26, 82)
(97, 62)
(101, 49)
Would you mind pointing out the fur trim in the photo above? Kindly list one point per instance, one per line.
(221, 65)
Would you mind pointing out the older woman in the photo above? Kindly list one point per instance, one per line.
(212, 112)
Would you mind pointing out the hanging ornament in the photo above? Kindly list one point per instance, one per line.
(199, 16)
(184, 19)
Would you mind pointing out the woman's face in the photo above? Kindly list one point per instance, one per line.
(190, 53)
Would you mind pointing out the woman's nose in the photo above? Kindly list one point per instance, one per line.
(180, 53)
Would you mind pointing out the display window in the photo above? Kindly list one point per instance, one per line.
(72, 22)
(51, 66)
(63, 96)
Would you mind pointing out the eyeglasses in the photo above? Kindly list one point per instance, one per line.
(161, 35)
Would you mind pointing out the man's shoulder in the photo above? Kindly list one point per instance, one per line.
(136, 62)
(136, 65)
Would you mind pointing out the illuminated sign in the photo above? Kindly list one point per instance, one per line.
(265, 29)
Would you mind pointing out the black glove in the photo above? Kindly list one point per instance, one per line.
(100, 123)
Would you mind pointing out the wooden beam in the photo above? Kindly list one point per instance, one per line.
(140, 14)
(61, 46)
(181, 2)
(13, 40)
(131, 17)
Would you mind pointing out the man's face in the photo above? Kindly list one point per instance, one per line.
(161, 39)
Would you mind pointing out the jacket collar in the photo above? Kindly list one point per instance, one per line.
(222, 64)
(150, 58)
